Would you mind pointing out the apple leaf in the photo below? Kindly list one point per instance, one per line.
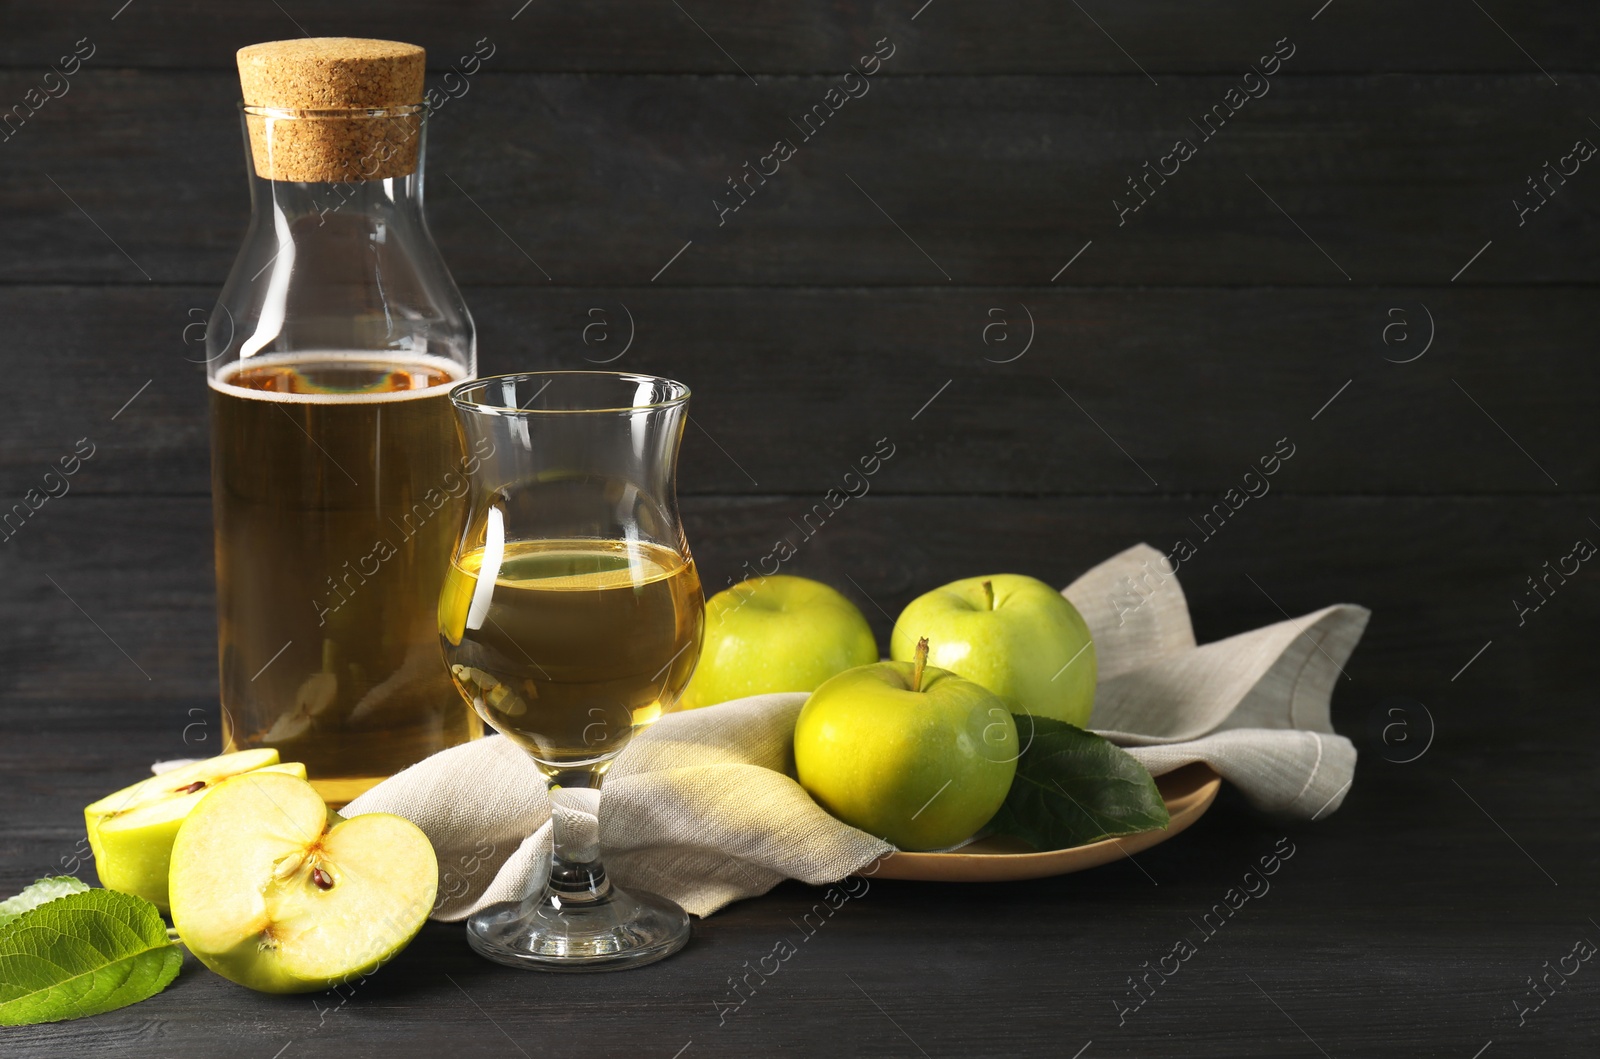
(83, 954)
(1072, 788)
(37, 894)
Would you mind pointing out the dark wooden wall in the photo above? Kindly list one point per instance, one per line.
(942, 264)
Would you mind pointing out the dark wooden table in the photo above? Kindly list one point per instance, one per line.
(1353, 261)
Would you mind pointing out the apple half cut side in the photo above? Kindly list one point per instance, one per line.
(131, 831)
(273, 890)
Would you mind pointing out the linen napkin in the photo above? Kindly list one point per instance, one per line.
(702, 806)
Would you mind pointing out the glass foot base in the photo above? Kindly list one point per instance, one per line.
(623, 929)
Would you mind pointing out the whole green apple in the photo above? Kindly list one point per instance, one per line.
(777, 633)
(1013, 634)
(915, 755)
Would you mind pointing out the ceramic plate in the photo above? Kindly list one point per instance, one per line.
(1188, 792)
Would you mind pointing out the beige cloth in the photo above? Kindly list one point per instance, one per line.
(702, 806)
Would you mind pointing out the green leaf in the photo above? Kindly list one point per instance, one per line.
(37, 894)
(83, 954)
(1073, 788)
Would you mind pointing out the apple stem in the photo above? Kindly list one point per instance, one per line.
(988, 594)
(919, 663)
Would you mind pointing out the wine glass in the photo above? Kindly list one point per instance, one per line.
(571, 617)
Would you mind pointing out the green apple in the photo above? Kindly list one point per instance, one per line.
(1013, 634)
(777, 633)
(274, 890)
(131, 831)
(915, 755)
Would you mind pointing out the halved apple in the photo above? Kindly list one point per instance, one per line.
(273, 890)
(131, 832)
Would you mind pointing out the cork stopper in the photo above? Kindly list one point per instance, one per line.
(307, 82)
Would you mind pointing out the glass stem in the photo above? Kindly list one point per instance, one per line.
(577, 875)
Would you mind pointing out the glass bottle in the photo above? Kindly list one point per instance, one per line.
(338, 480)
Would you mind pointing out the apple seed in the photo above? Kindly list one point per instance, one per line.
(195, 786)
(323, 880)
